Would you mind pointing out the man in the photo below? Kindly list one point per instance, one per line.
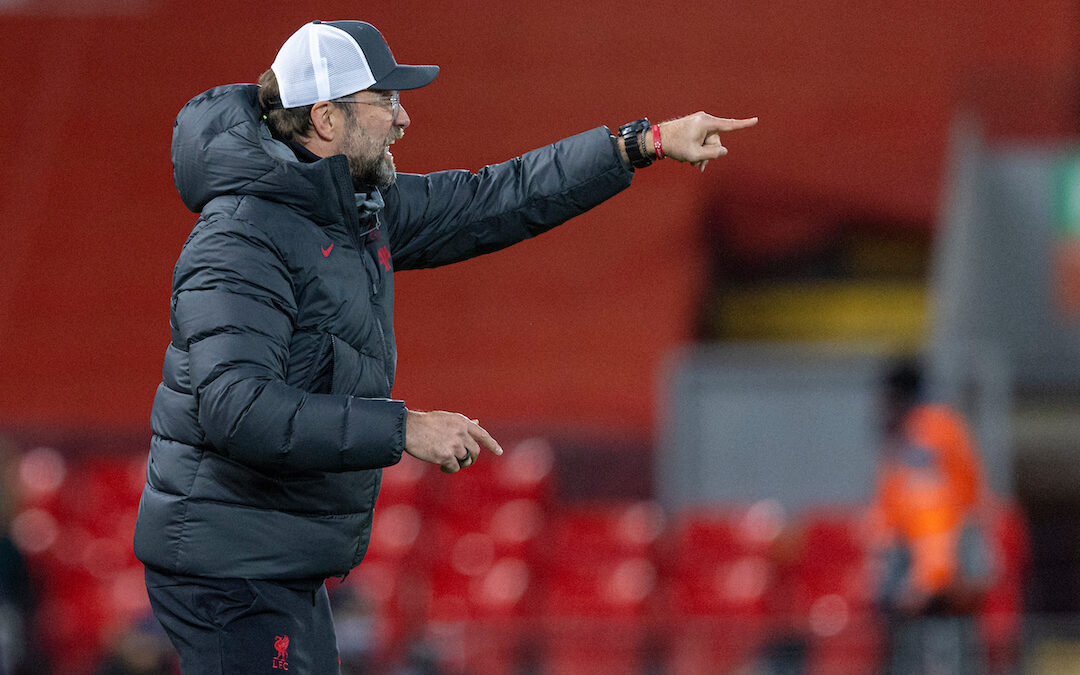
(936, 562)
(273, 420)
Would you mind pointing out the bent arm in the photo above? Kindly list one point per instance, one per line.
(233, 312)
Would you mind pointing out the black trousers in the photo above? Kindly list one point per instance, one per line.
(231, 626)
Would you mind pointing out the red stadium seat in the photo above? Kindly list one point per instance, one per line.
(589, 646)
(1003, 608)
(834, 559)
(834, 590)
(483, 566)
(407, 482)
(76, 526)
(718, 575)
(525, 471)
(600, 560)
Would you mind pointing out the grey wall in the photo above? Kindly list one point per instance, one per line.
(994, 267)
(789, 422)
(802, 424)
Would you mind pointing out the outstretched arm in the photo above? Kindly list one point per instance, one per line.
(448, 216)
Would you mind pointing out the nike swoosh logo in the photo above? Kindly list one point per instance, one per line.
(326, 251)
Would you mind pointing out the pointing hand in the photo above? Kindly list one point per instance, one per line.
(696, 138)
(448, 439)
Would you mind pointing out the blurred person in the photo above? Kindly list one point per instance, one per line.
(786, 648)
(17, 612)
(274, 418)
(936, 565)
(19, 651)
(140, 649)
(356, 630)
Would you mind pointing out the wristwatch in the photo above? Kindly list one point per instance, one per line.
(633, 135)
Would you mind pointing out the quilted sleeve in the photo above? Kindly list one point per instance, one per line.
(232, 312)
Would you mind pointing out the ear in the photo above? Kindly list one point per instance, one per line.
(325, 120)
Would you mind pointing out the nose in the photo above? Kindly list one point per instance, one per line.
(403, 120)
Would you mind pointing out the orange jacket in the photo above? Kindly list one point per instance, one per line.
(928, 487)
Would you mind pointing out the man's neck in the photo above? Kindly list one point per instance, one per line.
(302, 152)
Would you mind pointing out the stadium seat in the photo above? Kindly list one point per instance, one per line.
(600, 559)
(483, 566)
(834, 590)
(75, 526)
(407, 482)
(717, 575)
(834, 559)
(1003, 608)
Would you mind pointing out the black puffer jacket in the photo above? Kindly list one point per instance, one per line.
(273, 418)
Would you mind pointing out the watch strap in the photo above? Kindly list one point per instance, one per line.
(633, 135)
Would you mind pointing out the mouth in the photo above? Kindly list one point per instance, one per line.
(389, 142)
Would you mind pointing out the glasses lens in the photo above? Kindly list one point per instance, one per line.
(393, 103)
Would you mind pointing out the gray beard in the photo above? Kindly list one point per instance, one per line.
(375, 171)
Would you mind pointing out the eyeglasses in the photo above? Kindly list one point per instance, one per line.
(391, 103)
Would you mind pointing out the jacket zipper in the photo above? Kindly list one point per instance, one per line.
(370, 259)
(371, 263)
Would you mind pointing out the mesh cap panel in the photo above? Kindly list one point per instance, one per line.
(320, 62)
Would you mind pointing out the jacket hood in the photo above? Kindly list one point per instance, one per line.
(221, 146)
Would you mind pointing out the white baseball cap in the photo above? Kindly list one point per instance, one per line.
(328, 60)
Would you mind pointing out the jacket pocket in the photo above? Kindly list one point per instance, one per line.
(321, 378)
(355, 372)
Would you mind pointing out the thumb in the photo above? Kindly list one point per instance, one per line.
(712, 146)
(712, 139)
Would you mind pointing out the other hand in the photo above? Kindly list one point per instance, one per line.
(448, 439)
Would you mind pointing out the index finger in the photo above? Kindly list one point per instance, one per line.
(484, 438)
(726, 124)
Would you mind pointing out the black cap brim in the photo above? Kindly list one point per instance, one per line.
(404, 77)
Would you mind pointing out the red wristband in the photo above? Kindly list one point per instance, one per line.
(657, 145)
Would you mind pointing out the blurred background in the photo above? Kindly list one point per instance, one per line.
(688, 379)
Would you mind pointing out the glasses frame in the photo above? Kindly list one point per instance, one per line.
(394, 100)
